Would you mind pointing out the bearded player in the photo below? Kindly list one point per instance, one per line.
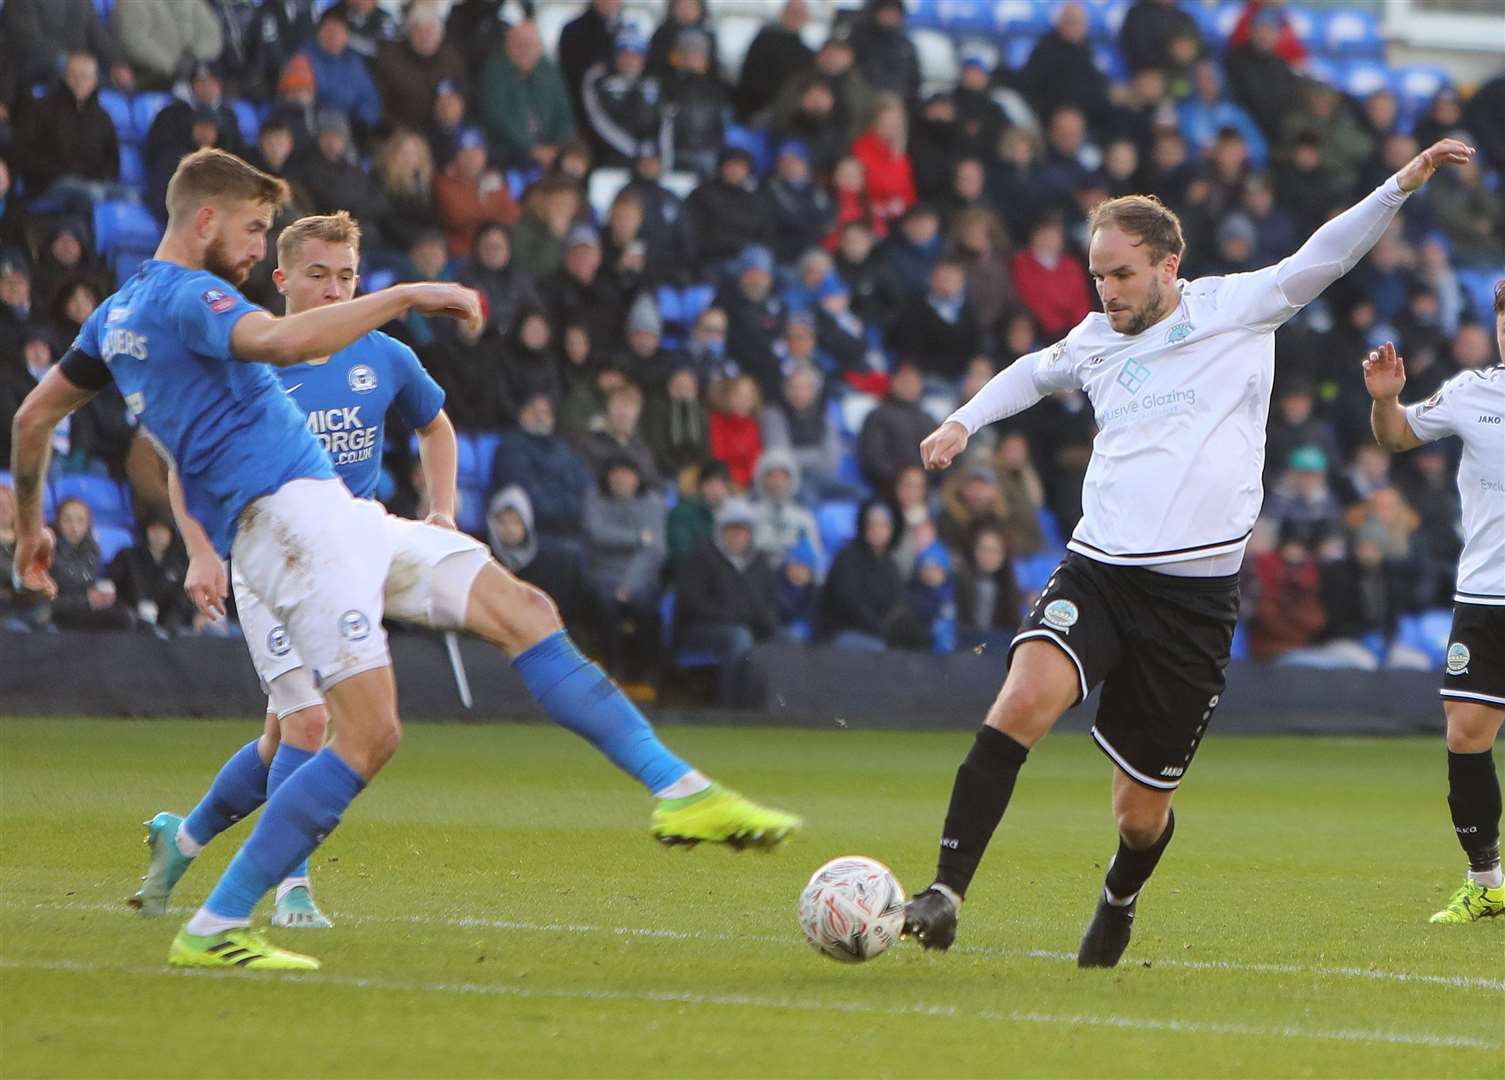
(1179, 376)
(193, 360)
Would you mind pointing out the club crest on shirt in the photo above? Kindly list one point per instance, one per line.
(1180, 332)
(354, 626)
(1061, 614)
(362, 379)
(218, 300)
(278, 643)
(1458, 658)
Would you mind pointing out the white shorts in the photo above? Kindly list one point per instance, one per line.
(315, 570)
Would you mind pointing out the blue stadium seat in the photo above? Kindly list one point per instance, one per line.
(119, 223)
(1033, 571)
(1417, 84)
(693, 300)
(1479, 287)
(684, 659)
(132, 167)
(1027, 17)
(1325, 70)
(1240, 649)
(1050, 529)
(104, 9)
(145, 107)
(112, 540)
(1016, 51)
(1307, 24)
(126, 262)
(1204, 17)
(1352, 32)
(473, 510)
(1107, 59)
(1105, 18)
(964, 16)
(1360, 78)
(248, 117)
(1226, 18)
(486, 443)
(118, 106)
(754, 141)
(109, 501)
(467, 468)
(837, 521)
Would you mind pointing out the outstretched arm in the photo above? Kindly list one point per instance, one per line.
(1336, 248)
(1011, 391)
(322, 331)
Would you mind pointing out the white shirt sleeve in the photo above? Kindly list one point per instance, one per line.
(1264, 299)
(1433, 418)
(1020, 385)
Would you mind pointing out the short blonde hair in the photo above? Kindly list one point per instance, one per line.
(336, 228)
(1144, 216)
(211, 175)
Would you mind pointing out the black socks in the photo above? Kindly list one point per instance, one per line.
(1474, 799)
(1130, 869)
(984, 784)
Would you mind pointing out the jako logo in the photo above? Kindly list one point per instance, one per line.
(947, 842)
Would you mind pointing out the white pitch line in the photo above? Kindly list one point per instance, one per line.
(803, 1005)
(1461, 982)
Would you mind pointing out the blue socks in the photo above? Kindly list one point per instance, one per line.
(577, 695)
(305, 810)
(284, 762)
(240, 788)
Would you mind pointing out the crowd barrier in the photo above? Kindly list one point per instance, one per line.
(137, 675)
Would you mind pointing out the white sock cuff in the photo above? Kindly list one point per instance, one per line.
(948, 892)
(691, 783)
(289, 884)
(1491, 879)
(188, 847)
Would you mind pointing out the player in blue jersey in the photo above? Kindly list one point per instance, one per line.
(346, 398)
(193, 360)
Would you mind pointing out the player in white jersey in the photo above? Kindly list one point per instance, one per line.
(1470, 405)
(1179, 376)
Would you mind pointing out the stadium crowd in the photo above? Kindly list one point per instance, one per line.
(723, 312)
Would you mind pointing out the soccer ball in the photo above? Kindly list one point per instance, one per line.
(852, 909)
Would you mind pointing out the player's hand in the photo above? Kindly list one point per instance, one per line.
(1384, 373)
(207, 585)
(454, 301)
(1420, 169)
(32, 561)
(444, 521)
(942, 446)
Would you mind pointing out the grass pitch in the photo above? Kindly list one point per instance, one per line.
(501, 910)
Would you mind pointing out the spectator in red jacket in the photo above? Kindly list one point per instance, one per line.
(884, 152)
(1288, 611)
(735, 437)
(1051, 281)
(468, 194)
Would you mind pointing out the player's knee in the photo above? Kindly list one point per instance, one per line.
(1025, 710)
(511, 613)
(305, 728)
(1141, 826)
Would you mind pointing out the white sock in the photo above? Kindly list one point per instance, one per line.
(1491, 879)
(188, 847)
(206, 923)
(289, 884)
(1117, 901)
(691, 783)
(948, 892)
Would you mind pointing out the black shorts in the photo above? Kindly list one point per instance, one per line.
(1158, 644)
(1475, 668)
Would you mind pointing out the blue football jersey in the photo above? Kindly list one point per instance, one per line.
(227, 425)
(347, 398)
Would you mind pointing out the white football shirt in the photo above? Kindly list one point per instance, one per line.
(1174, 482)
(1471, 405)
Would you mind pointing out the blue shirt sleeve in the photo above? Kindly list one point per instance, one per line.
(87, 341)
(420, 398)
(206, 309)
